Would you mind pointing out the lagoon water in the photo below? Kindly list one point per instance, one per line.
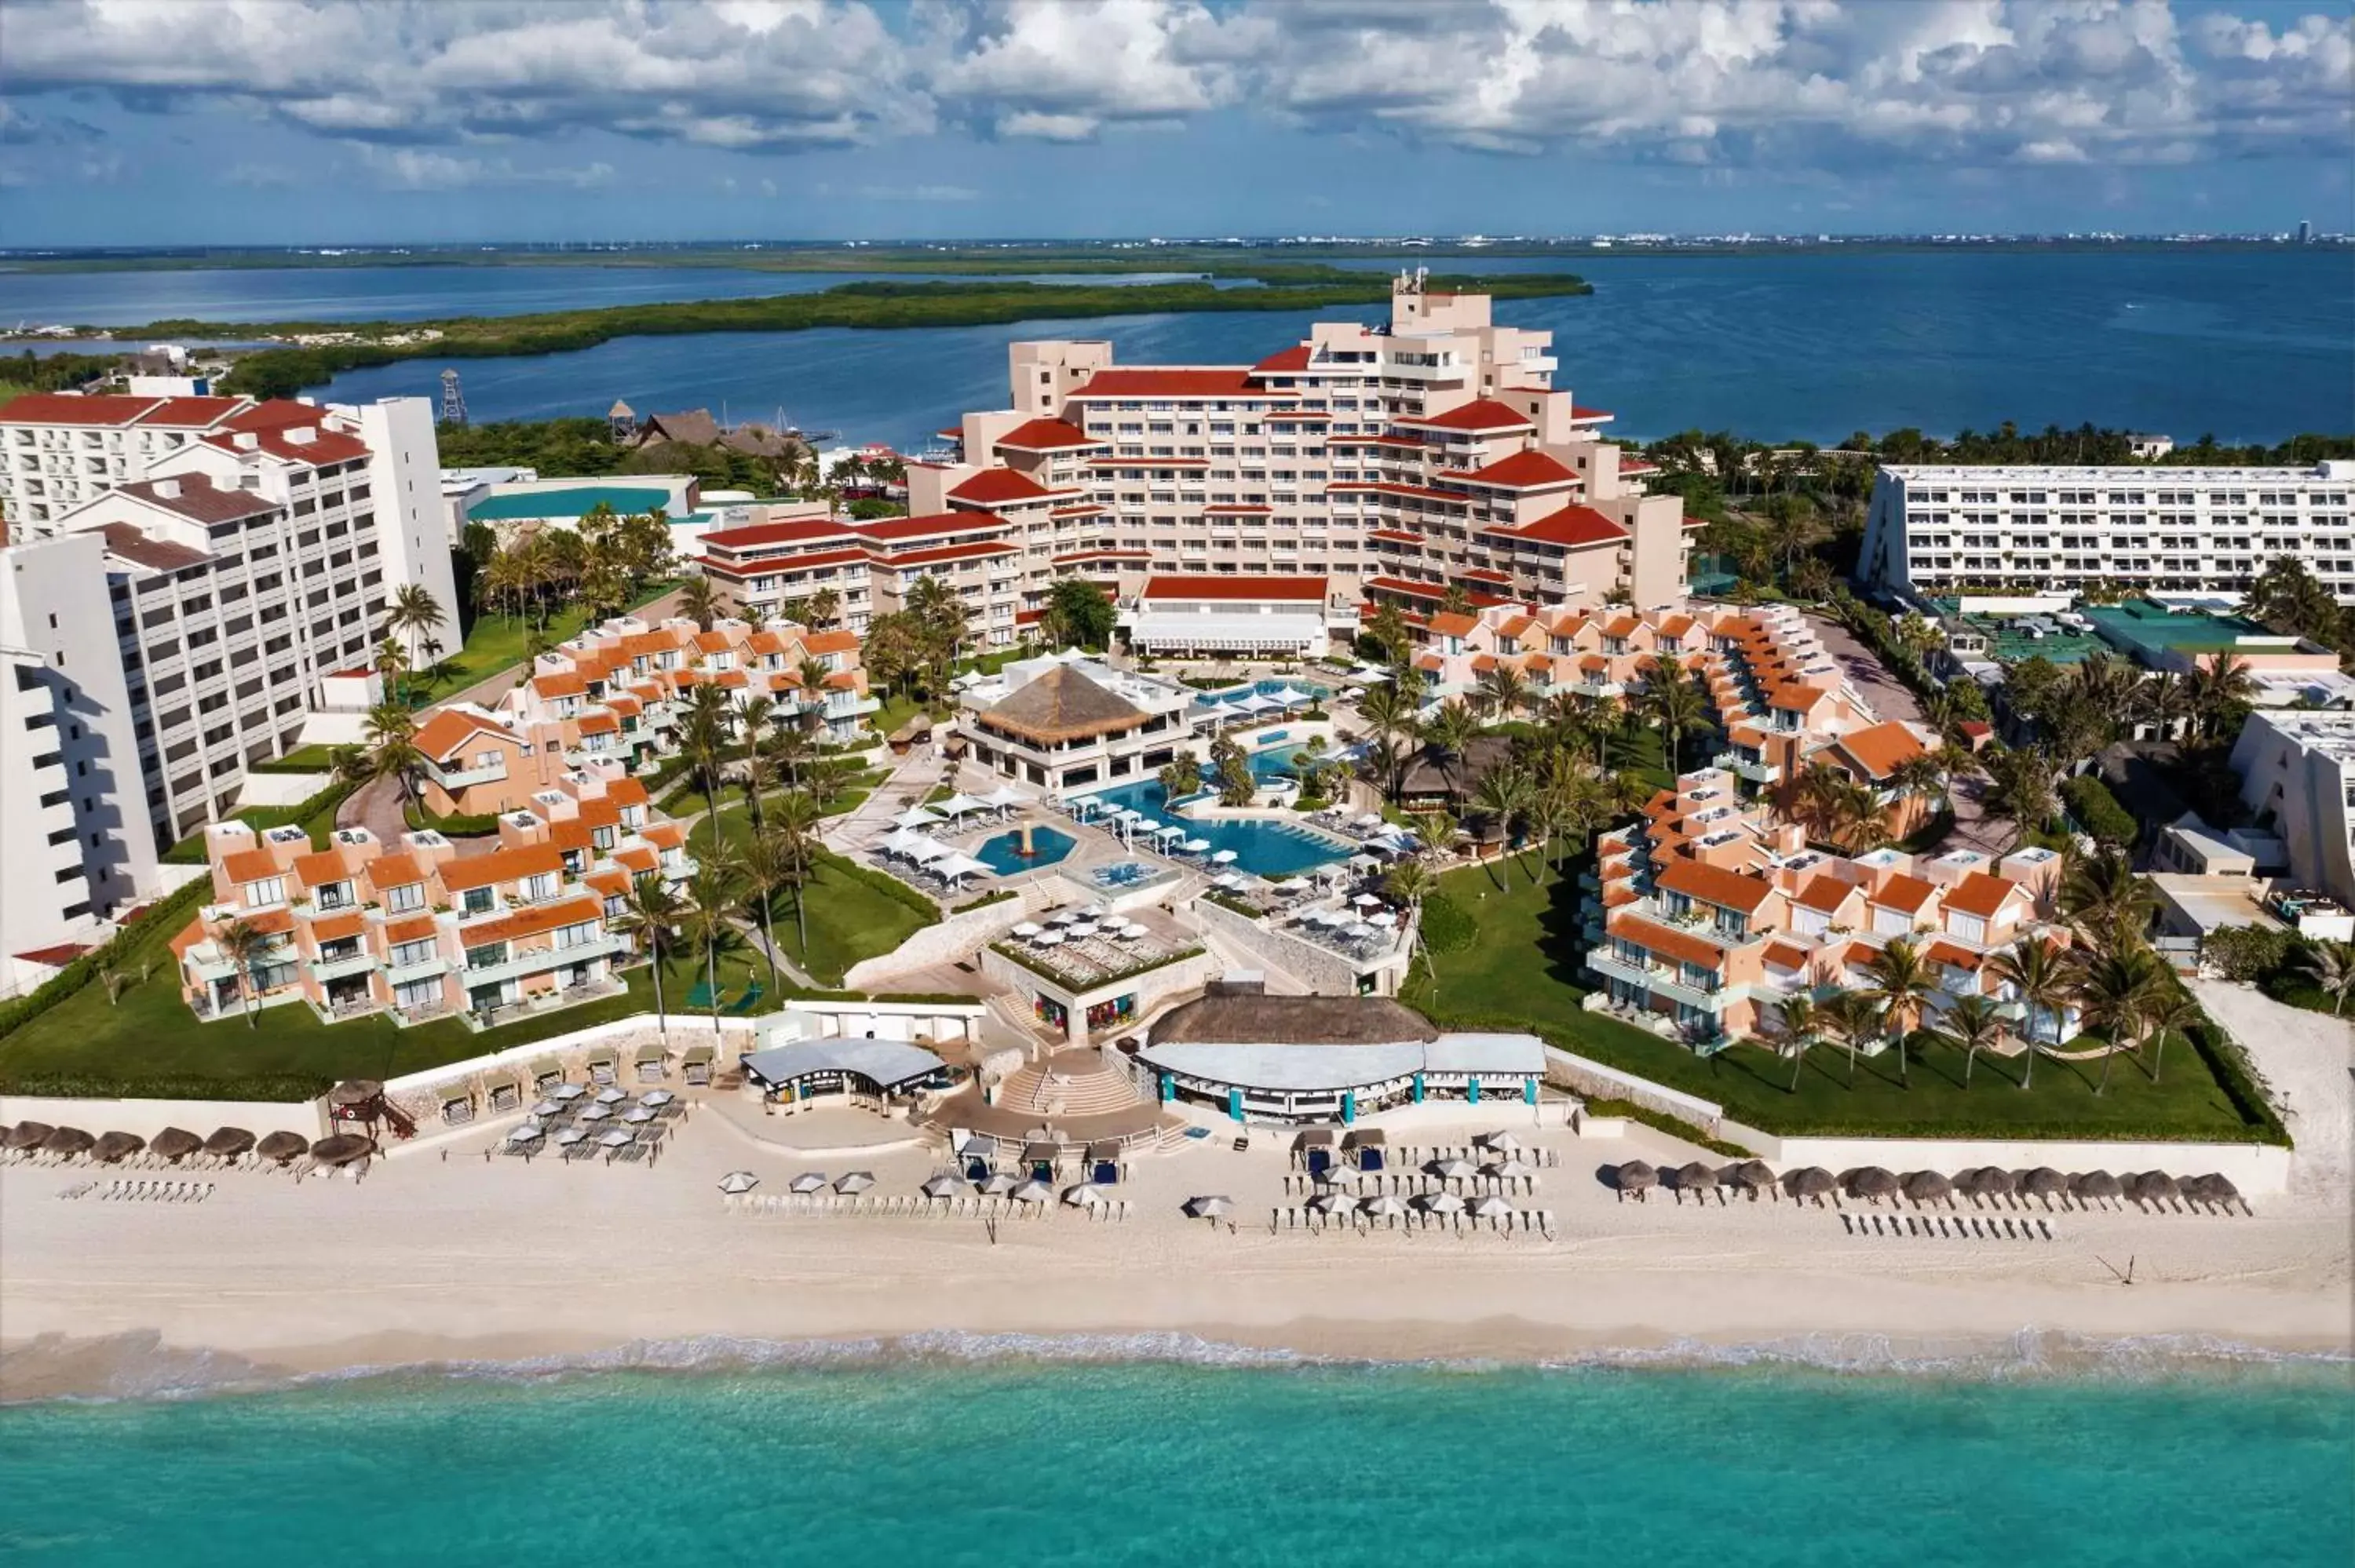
(948, 1459)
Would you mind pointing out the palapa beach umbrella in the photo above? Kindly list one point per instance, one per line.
(944, 1186)
(2218, 1190)
(1873, 1184)
(68, 1140)
(1928, 1187)
(658, 1099)
(1442, 1204)
(571, 1136)
(2096, 1186)
(808, 1181)
(1636, 1177)
(567, 1091)
(854, 1181)
(113, 1147)
(343, 1148)
(1490, 1207)
(1209, 1206)
(1513, 1170)
(617, 1138)
(595, 1112)
(1754, 1176)
(1698, 1179)
(281, 1146)
(1032, 1192)
(610, 1097)
(546, 1109)
(1811, 1181)
(2043, 1183)
(227, 1143)
(2154, 1187)
(637, 1115)
(29, 1134)
(174, 1144)
(738, 1183)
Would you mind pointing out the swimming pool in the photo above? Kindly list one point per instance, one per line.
(1263, 848)
(1262, 688)
(1003, 855)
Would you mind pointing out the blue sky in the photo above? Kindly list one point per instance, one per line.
(289, 122)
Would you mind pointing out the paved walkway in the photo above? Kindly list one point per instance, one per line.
(2307, 1061)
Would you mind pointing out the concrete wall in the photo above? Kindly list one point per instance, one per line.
(1154, 988)
(1320, 969)
(148, 1117)
(949, 941)
(1566, 1070)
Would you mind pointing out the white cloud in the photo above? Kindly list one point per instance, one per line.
(429, 169)
(919, 193)
(1733, 82)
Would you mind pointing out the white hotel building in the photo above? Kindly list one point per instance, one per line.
(1949, 530)
(196, 569)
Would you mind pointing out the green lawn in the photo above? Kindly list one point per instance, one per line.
(849, 919)
(151, 1035)
(1519, 973)
(498, 642)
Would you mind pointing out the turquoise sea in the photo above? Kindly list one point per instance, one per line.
(946, 1459)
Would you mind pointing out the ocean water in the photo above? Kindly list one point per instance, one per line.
(946, 1459)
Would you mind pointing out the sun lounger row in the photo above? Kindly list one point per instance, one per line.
(1408, 1184)
(1958, 1227)
(867, 1206)
(121, 1192)
(1521, 1223)
(1417, 1156)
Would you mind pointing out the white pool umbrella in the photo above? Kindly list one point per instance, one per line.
(1367, 901)
(916, 816)
(1209, 1206)
(1028, 929)
(1049, 938)
(1385, 919)
(1258, 704)
(809, 1182)
(902, 841)
(959, 866)
(737, 1182)
(928, 851)
(1168, 830)
(1293, 696)
(1503, 1142)
(1383, 1205)
(1512, 1170)
(1006, 795)
(1453, 1169)
(959, 804)
(1490, 1207)
(1083, 929)
(1224, 857)
(1148, 826)
(1062, 917)
(1083, 1196)
(1334, 1203)
(1195, 846)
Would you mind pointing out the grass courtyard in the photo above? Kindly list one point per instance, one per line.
(1519, 973)
(849, 920)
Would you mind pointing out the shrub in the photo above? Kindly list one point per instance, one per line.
(164, 913)
(1446, 926)
(2247, 953)
(985, 900)
(291, 1087)
(2098, 812)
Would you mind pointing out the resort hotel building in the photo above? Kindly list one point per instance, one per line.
(1936, 531)
(1706, 914)
(424, 931)
(186, 581)
(1065, 723)
(1396, 459)
(2298, 777)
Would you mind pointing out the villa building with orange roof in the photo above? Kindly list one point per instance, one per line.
(1705, 915)
(424, 931)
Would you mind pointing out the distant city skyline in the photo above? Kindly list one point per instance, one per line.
(263, 122)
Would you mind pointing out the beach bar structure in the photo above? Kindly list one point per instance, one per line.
(1298, 1060)
(805, 1069)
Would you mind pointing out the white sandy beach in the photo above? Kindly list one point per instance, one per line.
(433, 1259)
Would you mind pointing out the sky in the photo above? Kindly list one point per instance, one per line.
(141, 122)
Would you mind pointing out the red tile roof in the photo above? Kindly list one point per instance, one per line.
(1480, 414)
(799, 531)
(930, 524)
(839, 641)
(1880, 749)
(940, 555)
(1982, 894)
(1285, 359)
(196, 497)
(1047, 436)
(1573, 527)
(1175, 383)
(449, 729)
(1584, 414)
(1299, 589)
(992, 486)
(74, 409)
(1903, 892)
(1522, 470)
(1715, 885)
(191, 413)
(500, 865)
(1824, 893)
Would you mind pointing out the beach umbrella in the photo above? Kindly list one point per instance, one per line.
(1696, 1178)
(1810, 1182)
(343, 1148)
(997, 1183)
(1442, 1204)
(1512, 1170)
(959, 804)
(1871, 1183)
(2043, 1183)
(1081, 929)
(571, 1136)
(1006, 795)
(1333, 1201)
(29, 1134)
(1987, 1182)
(2154, 1187)
(1928, 1187)
(530, 1132)
(2218, 1190)
(637, 1115)
(1032, 1192)
(738, 1181)
(1224, 857)
(944, 1186)
(596, 1112)
(1384, 1206)
(916, 816)
(1453, 1169)
(1048, 939)
(1026, 928)
(113, 1147)
(1148, 826)
(1386, 919)
(658, 1099)
(174, 1144)
(281, 1146)
(808, 1181)
(1194, 846)
(1636, 1177)
(1490, 1207)
(854, 1181)
(617, 1138)
(1367, 901)
(546, 1109)
(567, 1091)
(68, 1140)
(1337, 1173)
(610, 1097)
(1083, 1196)
(2096, 1186)
(227, 1143)
(1209, 1206)
(1756, 1175)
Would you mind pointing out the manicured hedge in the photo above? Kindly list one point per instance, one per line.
(2098, 812)
(1446, 926)
(890, 886)
(986, 899)
(167, 912)
(287, 1086)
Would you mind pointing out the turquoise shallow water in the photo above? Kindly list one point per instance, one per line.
(1105, 1463)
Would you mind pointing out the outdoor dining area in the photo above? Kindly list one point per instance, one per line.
(1360, 924)
(575, 1123)
(1089, 944)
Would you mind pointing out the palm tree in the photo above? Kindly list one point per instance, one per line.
(2171, 1009)
(1502, 691)
(1436, 831)
(2114, 991)
(1449, 732)
(1410, 882)
(1180, 777)
(710, 900)
(2021, 789)
(793, 826)
(2106, 900)
(1924, 776)
(1902, 983)
(2331, 967)
(1972, 1024)
(391, 666)
(1799, 1026)
(766, 865)
(2040, 980)
(824, 608)
(2214, 689)
(1504, 795)
(1856, 1018)
(811, 674)
(243, 946)
(1673, 702)
(650, 913)
(413, 611)
(389, 735)
(698, 597)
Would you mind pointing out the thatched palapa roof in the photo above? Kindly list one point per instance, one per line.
(1061, 704)
(1252, 1018)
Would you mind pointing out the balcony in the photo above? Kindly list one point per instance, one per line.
(403, 974)
(539, 960)
(1659, 980)
(325, 969)
(1758, 772)
(460, 777)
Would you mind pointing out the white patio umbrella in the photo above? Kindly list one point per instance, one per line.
(1005, 797)
(960, 803)
(1453, 1169)
(1291, 696)
(567, 1091)
(1149, 826)
(1028, 929)
(1512, 1170)
(637, 1115)
(1367, 901)
(737, 1182)
(1224, 857)
(1083, 1196)
(658, 1099)
(1209, 1206)
(854, 1181)
(916, 816)
(617, 1138)
(610, 1097)
(1503, 1142)
(1386, 918)
(1257, 703)
(547, 1109)
(571, 1136)
(809, 1182)
(958, 866)
(997, 1183)
(1083, 929)
(928, 851)
(1049, 938)
(1359, 931)
(596, 1113)
(1195, 846)
(1032, 1192)
(1490, 1207)
(903, 840)
(1062, 917)
(944, 1186)
(1335, 1202)
(530, 1132)
(1128, 933)
(1169, 830)
(1442, 1204)
(1371, 819)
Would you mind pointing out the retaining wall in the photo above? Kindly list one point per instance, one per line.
(148, 1117)
(2255, 1168)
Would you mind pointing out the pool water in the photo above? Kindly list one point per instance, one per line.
(1003, 855)
(1121, 873)
(1269, 849)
